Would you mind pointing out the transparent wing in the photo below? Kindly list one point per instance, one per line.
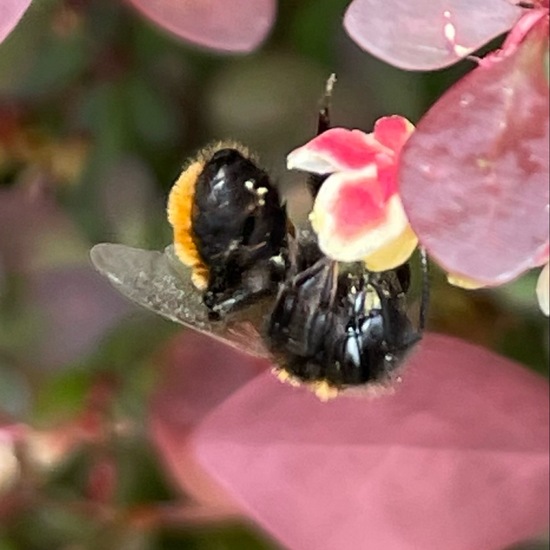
(159, 282)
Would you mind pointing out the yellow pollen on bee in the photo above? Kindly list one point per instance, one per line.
(285, 377)
(324, 391)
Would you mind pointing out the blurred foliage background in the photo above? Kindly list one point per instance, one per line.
(98, 111)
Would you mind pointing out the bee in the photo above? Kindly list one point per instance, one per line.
(239, 271)
(229, 253)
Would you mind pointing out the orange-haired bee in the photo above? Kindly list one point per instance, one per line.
(240, 271)
(230, 227)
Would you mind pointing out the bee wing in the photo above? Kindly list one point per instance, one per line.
(159, 282)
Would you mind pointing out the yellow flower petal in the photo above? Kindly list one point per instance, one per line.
(393, 254)
(464, 282)
(543, 290)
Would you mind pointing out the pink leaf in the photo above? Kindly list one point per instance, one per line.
(457, 458)
(11, 12)
(426, 34)
(474, 175)
(238, 26)
(201, 373)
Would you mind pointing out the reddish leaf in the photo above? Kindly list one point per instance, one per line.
(201, 374)
(456, 458)
(11, 12)
(238, 26)
(474, 175)
(426, 34)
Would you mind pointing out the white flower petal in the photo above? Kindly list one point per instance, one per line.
(306, 160)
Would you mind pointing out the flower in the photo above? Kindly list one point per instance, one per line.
(358, 213)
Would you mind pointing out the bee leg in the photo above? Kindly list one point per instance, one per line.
(302, 311)
(256, 282)
(398, 332)
(425, 300)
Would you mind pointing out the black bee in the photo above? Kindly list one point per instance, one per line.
(240, 271)
(229, 253)
(338, 326)
(229, 227)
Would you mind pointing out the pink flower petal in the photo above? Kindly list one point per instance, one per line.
(335, 150)
(393, 131)
(353, 217)
(357, 202)
(11, 11)
(474, 175)
(239, 26)
(457, 458)
(426, 34)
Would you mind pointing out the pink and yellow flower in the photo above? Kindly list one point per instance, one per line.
(357, 214)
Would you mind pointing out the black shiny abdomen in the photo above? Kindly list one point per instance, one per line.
(322, 327)
(239, 229)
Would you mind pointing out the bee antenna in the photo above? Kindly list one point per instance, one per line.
(323, 119)
(315, 181)
(425, 300)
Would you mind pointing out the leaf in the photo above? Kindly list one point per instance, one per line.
(418, 35)
(458, 454)
(474, 175)
(236, 27)
(11, 11)
(200, 374)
